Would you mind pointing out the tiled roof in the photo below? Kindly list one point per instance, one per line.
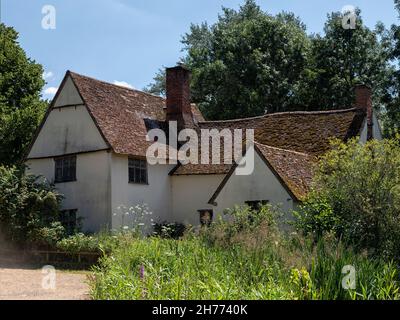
(289, 142)
(120, 113)
(305, 132)
(308, 132)
(295, 169)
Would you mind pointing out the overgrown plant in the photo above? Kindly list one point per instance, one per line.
(29, 208)
(227, 261)
(357, 196)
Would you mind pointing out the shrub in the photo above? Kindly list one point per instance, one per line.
(79, 243)
(102, 243)
(169, 230)
(316, 216)
(357, 196)
(244, 223)
(29, 207)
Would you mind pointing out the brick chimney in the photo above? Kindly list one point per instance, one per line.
(364, 102)
(178, 97)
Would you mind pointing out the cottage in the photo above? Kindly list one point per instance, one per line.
(93, 140)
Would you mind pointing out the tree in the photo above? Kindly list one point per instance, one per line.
(247, 63)
(392, 96)
(21, 108)
(251, 62)
(341, 59)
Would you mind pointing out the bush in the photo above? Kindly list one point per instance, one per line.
(357, 196)
(169, 230)
(29, 207)
(316, 217)
(102, 243)
(79, 243)
(244, 222)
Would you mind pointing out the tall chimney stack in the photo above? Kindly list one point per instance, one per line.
(178, 97)
(364, 102)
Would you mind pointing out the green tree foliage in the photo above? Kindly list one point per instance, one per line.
(29, 208)
(250, 62)
(357, 196)
(392, 97)
(20, 106)
(341, 59)
(246, 64)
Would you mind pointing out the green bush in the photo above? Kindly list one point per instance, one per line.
(241, 222)
(102, 243)
(169, 230)
(29, 207)
(316, 216)
(357, 196)
(79, 243)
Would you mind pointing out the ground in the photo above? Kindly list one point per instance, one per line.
(24, 282)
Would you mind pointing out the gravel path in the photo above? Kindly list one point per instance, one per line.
(25, 283)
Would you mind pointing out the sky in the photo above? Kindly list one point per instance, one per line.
(127, 41)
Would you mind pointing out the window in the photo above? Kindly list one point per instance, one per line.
(65, 169)
(69, 221)
(256, 205)
(206, 217)
(138, 171)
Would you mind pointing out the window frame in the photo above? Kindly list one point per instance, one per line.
(141, 165)
(71, 165)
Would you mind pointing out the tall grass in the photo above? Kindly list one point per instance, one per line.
(245, 259)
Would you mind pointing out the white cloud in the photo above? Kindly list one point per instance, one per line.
(47, 75)
(50, 91)
(123, 84)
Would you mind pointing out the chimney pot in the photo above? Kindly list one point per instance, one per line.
(178, 96)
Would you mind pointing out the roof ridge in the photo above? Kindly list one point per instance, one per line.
(336, 111)
(112, 84)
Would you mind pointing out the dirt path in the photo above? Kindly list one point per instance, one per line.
(26, 283)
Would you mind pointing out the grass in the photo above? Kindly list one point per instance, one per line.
(196, 268)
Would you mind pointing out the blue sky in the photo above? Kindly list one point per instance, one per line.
(129, 40)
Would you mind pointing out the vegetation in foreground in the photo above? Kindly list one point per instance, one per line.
(236, 261)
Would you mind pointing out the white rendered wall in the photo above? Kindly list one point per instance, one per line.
(261, 185)
(376, 130)
(190, 194)
(90, 194)
(156, 194)
(67, 130)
